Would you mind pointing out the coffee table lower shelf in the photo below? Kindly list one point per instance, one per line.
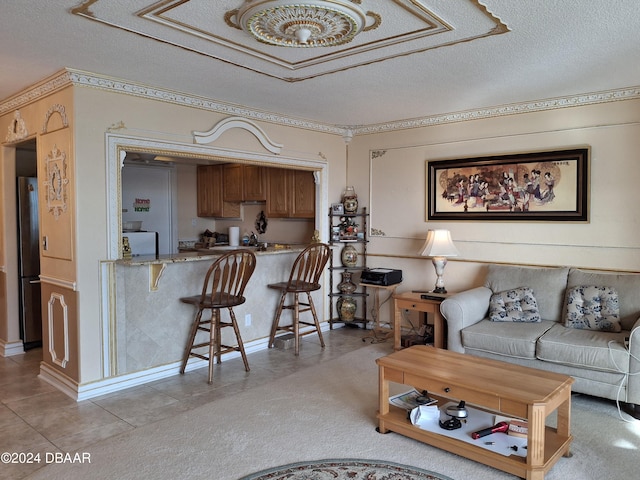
(555, 445)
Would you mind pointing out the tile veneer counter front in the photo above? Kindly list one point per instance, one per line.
(150, 325)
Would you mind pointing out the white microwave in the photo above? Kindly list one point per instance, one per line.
(142, 243)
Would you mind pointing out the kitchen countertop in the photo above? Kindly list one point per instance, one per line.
(204, 254)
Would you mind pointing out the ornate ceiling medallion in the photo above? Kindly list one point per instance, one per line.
(304, 24)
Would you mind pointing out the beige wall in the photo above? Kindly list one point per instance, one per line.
(608, 240)
(96, 112)
(49, 121)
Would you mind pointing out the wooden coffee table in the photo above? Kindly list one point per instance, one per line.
(499, 387)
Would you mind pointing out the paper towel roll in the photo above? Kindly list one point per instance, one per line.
(234, 236)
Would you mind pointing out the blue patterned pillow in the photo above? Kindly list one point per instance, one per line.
(516, 305)
(592, 308)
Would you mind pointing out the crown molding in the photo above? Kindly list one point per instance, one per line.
(49, 85)
(68, 76)
(630, 93)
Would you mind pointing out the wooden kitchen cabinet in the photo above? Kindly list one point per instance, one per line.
(290, 193)
(304, 195)
(209, 197)
(277, 193)
(243, 183)
(232, 182)
(211, 202)
(255, 186)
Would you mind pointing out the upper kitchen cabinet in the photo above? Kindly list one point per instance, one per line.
(254, 182)
(304, 194)
(243, 183)
(290, 193)
(211, 200)
(232, 188)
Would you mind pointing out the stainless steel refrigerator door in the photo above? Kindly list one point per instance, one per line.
(28, 227)
(31, 312)
(29, 262)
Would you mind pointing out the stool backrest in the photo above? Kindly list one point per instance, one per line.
(228, 276)
(309, 265)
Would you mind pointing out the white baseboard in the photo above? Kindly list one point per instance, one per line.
(121, 382)
(59, 380)
(9, 349)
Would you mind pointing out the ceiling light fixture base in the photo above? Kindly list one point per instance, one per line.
(303, 24)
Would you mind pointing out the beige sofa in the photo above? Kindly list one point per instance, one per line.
(598, 360)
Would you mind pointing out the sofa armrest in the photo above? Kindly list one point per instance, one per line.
(633, 385)
(464, 309)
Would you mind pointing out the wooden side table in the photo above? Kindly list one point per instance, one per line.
(412, 301)
(379, 333)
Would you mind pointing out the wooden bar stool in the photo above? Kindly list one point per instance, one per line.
(304, 278)
(223, 287)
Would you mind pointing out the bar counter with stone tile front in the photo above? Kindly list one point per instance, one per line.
(148, 325)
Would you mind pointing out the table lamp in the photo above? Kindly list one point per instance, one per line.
(439, 246)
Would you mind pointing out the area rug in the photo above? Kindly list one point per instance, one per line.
(345, 469)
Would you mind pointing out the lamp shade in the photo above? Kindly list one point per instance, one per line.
(439, 244)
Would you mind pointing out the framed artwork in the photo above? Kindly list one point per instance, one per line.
(337, 208)
(540, 186)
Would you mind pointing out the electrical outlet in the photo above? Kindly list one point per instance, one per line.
(194, 222)
(247, 320)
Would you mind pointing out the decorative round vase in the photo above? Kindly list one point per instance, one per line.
(346, 309)
(346, 285)
(349, 256)
(350, 200)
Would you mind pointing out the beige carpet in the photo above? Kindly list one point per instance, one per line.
(326, 411)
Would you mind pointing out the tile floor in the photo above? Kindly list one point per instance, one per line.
(35, 417)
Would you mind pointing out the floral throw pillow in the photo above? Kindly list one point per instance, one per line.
(516, 305)
(592, 308)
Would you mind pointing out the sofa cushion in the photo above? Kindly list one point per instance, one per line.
(626, 284)
(589, 349)
(516, 305)
(591, 307)
(514, 339)
(548, 285)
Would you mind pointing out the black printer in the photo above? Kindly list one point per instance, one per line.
(381, 276)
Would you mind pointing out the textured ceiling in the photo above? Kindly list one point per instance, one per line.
(427, 57)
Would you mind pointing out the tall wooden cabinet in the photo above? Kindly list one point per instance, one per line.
(210, 197)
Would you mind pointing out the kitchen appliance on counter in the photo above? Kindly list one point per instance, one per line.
(142, 243)
(29, 262)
